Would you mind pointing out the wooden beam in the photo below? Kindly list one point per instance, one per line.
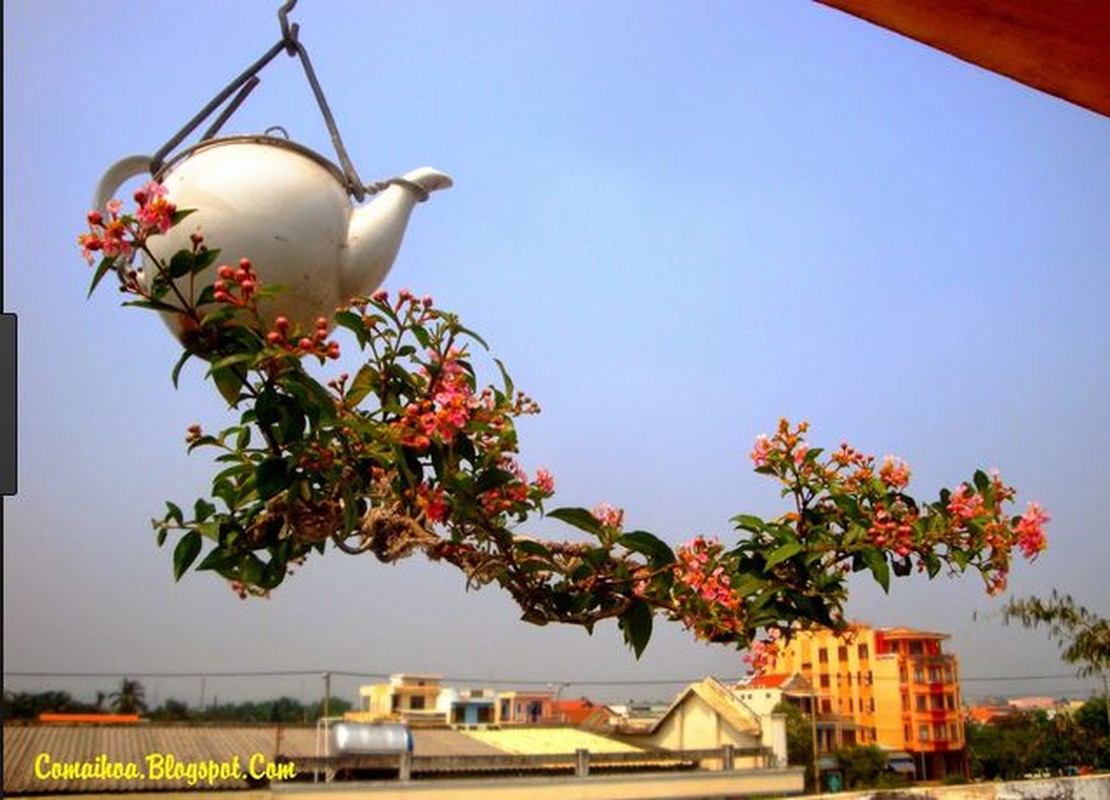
(1061, 47)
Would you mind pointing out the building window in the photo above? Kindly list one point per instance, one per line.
(826, 706)
(842, 653)
(823, 656)
(923, 733)
(918, 675)
(905, 703)
(416, 703)
(940, 731)
(824, 681)
(921, 702)
(950, 701)
(907, 734)
(863, 654)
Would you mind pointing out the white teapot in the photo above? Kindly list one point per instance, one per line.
(288, 210)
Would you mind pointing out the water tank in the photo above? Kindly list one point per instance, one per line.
(363, 737)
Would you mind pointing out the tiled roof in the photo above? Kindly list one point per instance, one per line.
(767, 681)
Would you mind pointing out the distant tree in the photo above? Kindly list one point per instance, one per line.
(1083, 635)
(128, 698)
(27, 705)
(336, 707)
(1093, 745)
(799, 740)
(861, 765)
(171, 710)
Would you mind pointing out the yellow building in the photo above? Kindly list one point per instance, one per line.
(891, 687)
(408, 697)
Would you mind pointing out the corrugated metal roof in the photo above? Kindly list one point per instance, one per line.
(179, 750)
(549, 741)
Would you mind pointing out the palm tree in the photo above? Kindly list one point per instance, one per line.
(128, 698)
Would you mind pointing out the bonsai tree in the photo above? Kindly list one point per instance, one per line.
(413, 453)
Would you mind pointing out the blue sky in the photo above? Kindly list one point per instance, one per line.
(675, 223)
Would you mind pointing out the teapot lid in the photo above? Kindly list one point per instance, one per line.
(258, 139)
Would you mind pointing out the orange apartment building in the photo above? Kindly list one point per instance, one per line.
(891, 687)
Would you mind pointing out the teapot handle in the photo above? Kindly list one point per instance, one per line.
(118, 174)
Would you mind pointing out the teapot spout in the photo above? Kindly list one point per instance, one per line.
(377, 228)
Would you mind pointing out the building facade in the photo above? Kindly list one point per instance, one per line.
(891, 687)
(409, 697)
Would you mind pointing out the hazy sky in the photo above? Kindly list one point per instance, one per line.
(675, 223)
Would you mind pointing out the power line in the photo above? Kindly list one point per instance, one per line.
(449, 678)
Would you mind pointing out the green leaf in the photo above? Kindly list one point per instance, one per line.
(363, 384)
(229, 384)
(982, 482)
(635, 623)
(185, 553)
(218, 560)
(658, 552)
(748, 522)
(421, 336)
(507, 381)
(205, 258)
(173, 512)
(185, 356)
(181, 264)
(207, 296)
(230, 361)
(101, 270)
(748, 585)
(876, 562)
(153, 305)
(782, 553)
(578, 517)
(532, 548)
(202, 510)
(271, 477)
(474, 336)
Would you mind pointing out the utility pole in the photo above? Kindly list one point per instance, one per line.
(327, 693)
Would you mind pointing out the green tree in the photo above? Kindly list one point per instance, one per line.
(28, 705)
(861, 765)
(799, 740)
(1082, 635)
(336, 707)
(128, 698)
(172, 710)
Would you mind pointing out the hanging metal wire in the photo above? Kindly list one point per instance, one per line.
(246, 82)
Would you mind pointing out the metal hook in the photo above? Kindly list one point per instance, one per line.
(288, 34)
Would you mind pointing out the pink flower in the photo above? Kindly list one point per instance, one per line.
(1030, 530)
(761, 450)
(894, 473)
(609, 516)
(432, 503)
(545, 481)
(964, 505)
